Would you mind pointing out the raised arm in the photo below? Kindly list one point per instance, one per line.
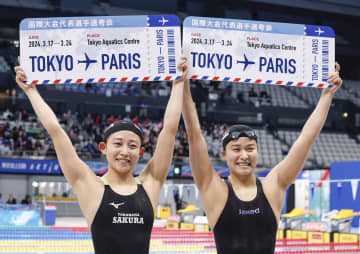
(71, 165)
(213, 189)
(200, 164)
(158, 167)
(286, 172)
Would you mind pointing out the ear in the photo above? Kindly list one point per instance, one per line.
(142, 150)
(102, 147)
(223, 154)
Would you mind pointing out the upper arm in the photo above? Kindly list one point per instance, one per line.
(73, 167)
(200, 164)
(156, 170)
(213, 190)
(88, 188)
(159, 165)
(286, 172)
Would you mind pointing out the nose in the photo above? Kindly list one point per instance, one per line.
(124, 151)
(243, 155)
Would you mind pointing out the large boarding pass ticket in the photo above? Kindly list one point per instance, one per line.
(259, 52)
(100, 49)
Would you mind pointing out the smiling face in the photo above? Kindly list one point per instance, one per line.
(241, 156)
(122, 150)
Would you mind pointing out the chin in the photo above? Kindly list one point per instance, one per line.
(122, 169)
(244, 171)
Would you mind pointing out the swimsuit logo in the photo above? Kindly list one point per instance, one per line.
(128, 218)
(249, 212)
(116, 206)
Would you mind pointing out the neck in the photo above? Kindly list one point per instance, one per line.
(243, 180)
(115, 178)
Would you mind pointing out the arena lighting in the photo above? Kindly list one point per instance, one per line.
(177, 170)
(345, 115)
(35, 184)
(16, 43)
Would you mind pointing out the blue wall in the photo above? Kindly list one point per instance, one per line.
(341, 196)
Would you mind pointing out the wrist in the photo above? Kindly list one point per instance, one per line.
(30, 91)
(328, 92)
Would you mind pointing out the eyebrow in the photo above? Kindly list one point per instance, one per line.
(237, 145)
(130, 140)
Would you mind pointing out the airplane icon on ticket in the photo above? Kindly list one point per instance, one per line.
(163, 20)
(88, 61)
(246, 62)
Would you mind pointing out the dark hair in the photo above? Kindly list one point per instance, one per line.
(237, 131)
(123, 125)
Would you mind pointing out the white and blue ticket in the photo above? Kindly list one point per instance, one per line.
(259, 52)
(100, 49)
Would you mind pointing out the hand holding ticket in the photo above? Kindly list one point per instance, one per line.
(100, 49)
(259, 52)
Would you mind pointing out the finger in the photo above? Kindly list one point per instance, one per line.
(181, 65)
(185, 69)
(337, 67)
(19, 59)
(19, 81)
(333, 75)
(336, 82)
(182, 62)
(18, 68)
(184, 58)
(22, 78)
(21, 73)
(331, 80)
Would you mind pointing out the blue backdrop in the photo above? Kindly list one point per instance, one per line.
(341, 196)
(19, 215)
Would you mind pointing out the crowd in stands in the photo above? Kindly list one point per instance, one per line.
(22, 134)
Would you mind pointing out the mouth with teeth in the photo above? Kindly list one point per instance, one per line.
(243, 163)
(123, 160)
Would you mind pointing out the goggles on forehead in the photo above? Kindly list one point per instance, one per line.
(237, 134)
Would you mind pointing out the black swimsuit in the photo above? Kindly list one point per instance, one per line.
(246, 227)
(123, 224)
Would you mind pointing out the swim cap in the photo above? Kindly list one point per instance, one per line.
(123, 125)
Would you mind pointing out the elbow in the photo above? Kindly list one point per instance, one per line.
(170, 129)
(307, 139)
(195, 135)
(54, 129)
